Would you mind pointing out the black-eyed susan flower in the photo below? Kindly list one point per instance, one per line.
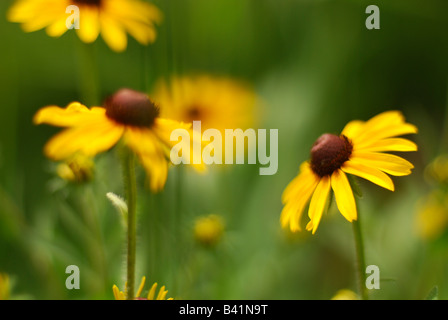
(161, 295)
(208, 230)
(218, 102)
(112, 18)
(359, 150)
(127, 114)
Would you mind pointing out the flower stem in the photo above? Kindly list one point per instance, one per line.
(131, 196)
(360, 259)
(88, 74)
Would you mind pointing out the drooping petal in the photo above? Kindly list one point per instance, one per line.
(151, 155)
(113, 34)
(57, 28)
(89, 23)
(372, 174)
(75, 114)
(318, 202)
(88, 140)
(388, 163)
(296, 196)
(344, 195)
(163, 129)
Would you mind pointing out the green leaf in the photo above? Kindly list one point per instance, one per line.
(433, 294)
(355, 185)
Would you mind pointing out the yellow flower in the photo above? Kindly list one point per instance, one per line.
(432, 215)
(218, 102)
(4, 286)
(359, 151)
(128, 114)
(112, 18)
(120, 295)
(208, 230)
(78, 168)
(437, 170)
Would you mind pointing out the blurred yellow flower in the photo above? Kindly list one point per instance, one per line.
(218, 102)
(437, 170)
(208, 230)
(128, 114)
(112, 18)
(78, 168)
(120, 295)
(359, 151)
(432, 215)
(4, 286)
(345, 294)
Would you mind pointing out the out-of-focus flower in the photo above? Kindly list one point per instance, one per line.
(437, 170)
(78, 169)
(432, 215)
(218, 102)
(4, 286)
(127, 114)
(345, 294)
(208, 230)
(120, 295)
(112, 18)
(359, 151)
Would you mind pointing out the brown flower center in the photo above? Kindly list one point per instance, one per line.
(88, 2)
(132, 108)
(329, 152)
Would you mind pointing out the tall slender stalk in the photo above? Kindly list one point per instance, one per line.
(360, 258)
(131, 198)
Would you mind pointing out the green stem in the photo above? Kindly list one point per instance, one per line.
(131, 196)
(88, 74)
(360, 258)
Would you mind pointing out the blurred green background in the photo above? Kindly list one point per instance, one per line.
(316, 67)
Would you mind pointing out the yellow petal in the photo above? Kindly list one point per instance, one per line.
(372, 174)
(57, 28)
(385, 125)
(113, 34)
(89, 23)
(162, 293)
(152, 291)
(140, 288)
(353, 128)
(151, 155)
(89, 140)
(317, 204)
(296, 196)
(142, 140)
(163, 129)
(75, 114)
(119, 295)
(388, 163)
(344, 195)
(389, 144)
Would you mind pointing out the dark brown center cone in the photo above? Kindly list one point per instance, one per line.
(88, 2)
(329, 152)
(132, 108)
